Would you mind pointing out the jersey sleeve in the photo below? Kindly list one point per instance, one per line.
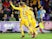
(30, 8)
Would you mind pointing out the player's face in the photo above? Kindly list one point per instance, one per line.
(23, 5)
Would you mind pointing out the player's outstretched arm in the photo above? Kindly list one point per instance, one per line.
(30, 8)
(16, 8)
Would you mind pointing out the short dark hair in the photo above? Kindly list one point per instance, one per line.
(22, 3)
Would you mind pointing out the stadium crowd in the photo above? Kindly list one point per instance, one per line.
(43, 7)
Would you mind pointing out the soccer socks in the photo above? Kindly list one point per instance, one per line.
(22, 31)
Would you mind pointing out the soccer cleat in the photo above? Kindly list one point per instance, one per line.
(33, 35)
(37, 26)
(23, 36)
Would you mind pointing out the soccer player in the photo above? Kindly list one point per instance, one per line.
(41, 14)
(32, 22)
(23, 15)
(27, 18)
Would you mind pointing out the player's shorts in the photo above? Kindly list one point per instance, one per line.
(39, 20)
(33, 22)
(24, 22)
(41, 25)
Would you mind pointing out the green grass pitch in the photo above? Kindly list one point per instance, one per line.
(27, 36)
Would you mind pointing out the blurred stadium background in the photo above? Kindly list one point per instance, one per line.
(9, 19)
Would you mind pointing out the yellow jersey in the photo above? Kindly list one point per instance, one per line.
(22, 10)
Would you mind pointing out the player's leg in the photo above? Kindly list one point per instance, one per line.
(33, 26)
(21, 28)
(29, 27)
(41, 27)
(30, 24)
(35, 31)
(30, 30)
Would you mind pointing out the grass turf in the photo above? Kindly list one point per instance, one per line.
(27, 36)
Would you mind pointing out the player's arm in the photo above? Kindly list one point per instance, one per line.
(32, 14)
(16, 8)
(30, 8)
